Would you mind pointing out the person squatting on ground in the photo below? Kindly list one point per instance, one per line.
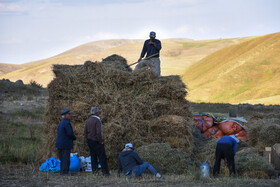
(131, 164)
(94, 136)
(64, 141)
(226, 149)
(151, 46)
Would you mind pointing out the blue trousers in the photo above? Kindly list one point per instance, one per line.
(139, 170)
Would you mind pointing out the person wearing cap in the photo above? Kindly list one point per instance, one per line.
(151, 47)
(94, 136)
(226, 149)
(131, 164)
(64, 141)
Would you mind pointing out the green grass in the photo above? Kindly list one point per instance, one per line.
(34, 113)
(21, 134)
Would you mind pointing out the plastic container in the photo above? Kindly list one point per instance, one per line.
(205, 170)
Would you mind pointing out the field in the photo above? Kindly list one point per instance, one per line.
(28, 175)
(21, 134)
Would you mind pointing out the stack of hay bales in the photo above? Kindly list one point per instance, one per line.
(167, 159)
(136, 107)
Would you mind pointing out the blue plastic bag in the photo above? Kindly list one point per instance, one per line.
(75, 164)
(53, 165)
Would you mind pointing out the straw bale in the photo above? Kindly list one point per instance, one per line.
(167, 159)
(136, 107)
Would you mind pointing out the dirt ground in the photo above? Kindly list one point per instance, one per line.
(29, 175)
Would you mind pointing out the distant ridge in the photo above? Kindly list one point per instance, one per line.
(176, 56)
(6, 68)
(248, 72)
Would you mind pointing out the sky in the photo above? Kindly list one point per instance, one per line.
(36, 29)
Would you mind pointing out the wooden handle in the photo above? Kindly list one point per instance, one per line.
(143, 59)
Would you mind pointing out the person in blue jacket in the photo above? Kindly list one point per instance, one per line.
(64, 141)
(226, 149)
(151, 47)
(131, 164)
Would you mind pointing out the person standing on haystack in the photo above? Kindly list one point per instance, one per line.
(94, 136)
(226, 149)
(64, 141)
(151, 46)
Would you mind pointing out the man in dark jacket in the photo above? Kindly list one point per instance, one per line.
(151, 46)
(64, 141)
(130, 163)
(226, 149)
(94, 136)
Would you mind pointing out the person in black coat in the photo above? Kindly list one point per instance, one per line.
(64, 141)
(131, 164)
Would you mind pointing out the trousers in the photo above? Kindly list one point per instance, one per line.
(97, 150)
(139, 170)
(224, 151)
(152, 63)
(64, 157)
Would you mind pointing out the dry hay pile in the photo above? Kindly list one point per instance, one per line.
(250, 164)
(167, 159)
(264, 130)
(136, 107)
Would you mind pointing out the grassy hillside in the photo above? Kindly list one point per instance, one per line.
(6, 68)
(247, 72)
(176, 56)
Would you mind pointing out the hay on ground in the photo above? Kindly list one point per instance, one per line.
(264, 130)
(248, 161)
(250, 164)
(167, 159)
(136, 107)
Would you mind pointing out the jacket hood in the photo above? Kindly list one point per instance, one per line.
(125, 153)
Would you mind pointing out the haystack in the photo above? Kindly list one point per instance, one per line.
(250, 164)
(264, 130)
(167, 159)
(136, 107)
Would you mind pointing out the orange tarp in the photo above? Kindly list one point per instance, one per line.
(206, 126)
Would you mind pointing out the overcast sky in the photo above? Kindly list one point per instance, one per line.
(36, 29)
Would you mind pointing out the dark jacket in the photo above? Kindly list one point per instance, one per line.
(151, 49)
(93, 129)
(65, 135)
(229, 140)
(128, 160)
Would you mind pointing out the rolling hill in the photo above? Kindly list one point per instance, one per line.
(6, 68)
(248, 72)
(176, 56)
